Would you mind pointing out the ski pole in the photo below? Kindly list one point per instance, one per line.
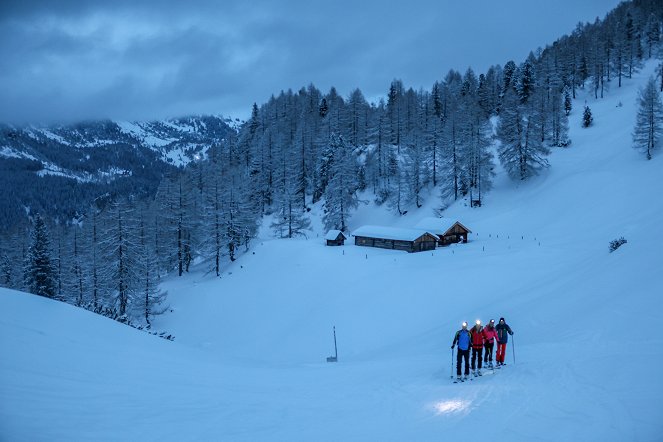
(513, 349)
(451, 374)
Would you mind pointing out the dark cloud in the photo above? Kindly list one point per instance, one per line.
(68, 60)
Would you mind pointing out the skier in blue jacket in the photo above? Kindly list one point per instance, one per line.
(464, 340)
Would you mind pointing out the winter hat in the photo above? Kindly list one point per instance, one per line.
(501, 319)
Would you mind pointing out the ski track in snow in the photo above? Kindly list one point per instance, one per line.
(249, 364)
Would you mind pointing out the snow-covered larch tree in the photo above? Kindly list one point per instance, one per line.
(648, 132)
(341, 190)
(522, 153)
(119, 244)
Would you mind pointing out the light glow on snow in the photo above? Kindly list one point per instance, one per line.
(450, 406)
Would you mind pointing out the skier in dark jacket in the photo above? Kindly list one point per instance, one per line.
(464, 339)
(477, 347)
(503, 332)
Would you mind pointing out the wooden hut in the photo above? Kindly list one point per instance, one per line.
(409, 240)
(335, 238)
(448, 230)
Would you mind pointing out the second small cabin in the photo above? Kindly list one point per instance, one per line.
(335, 238)
(448, 230)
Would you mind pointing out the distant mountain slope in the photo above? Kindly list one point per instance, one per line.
(79, 162)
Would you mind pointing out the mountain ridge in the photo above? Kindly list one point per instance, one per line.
(102, 156)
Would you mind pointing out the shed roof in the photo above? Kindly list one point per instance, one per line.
(333, 235)
(438, 225)
(391, 233)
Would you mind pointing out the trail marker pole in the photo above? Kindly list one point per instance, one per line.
(335, 357)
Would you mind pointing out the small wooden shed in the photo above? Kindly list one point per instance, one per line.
(409, 240)
(335, 238)
(448, 230)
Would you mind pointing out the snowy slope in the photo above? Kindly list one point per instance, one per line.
(248, 361)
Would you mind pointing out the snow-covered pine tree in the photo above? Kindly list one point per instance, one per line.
(341, 190)
(652, 33)
(508, 77)
(629, 38)
(648, 132)
(433, 130)
(40, 272)
(521, 152)
(6, 270)
(568, 102)
(357, 120)
(587, 117)
(58, 262)
(526, 79)
(13, 252)
(495, 87)
(395, 113)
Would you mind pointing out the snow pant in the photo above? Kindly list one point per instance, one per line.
(476, 354)
(501, 352)
(463, 354)
(488, 356)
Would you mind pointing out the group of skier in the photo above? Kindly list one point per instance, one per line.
(481, 340)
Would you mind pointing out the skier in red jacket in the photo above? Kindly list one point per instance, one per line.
(477, 346)
(489, 337)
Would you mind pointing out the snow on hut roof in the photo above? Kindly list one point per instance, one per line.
(437, 225)
(391, 233)
(333, 234)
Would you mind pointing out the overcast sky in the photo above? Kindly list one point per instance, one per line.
(67, 60)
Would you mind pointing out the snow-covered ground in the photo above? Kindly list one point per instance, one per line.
(249, 359)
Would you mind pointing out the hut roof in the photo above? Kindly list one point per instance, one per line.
(391, 233)
(438, 225)
(332, 235)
